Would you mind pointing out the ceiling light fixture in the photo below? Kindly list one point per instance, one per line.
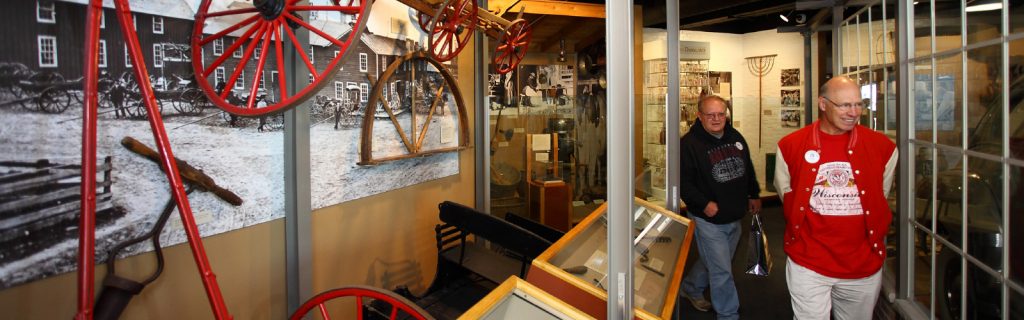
(984, 5)
(785, 17)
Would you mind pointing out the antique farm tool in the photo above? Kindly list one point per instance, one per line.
(261, 30)
(760, 66)
(427, 89)
(451, 23)
(189, 173)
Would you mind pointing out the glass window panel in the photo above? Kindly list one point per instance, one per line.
(948, 99)
(984, 211)
(984, 104)
(985, 24)
(1016, 16)
(922, 28)
(890, 101)
(949, 193)
(948, 284)
(1016, 128)
(924, 202)
(922, 268)
(922, 101)
(947, 25)
(984, 294)
(890, 31)
(864, 50)
(1016, 305)
(1016, 226)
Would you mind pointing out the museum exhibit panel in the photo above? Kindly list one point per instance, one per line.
(575, 268)
(269, 159)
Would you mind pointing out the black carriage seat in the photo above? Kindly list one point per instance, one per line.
(518, 246)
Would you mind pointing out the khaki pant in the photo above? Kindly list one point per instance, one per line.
(813, 295)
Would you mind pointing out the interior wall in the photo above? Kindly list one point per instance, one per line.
(728, 53)
(383, 240)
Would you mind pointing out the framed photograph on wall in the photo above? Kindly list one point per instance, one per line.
(790, 77)
(790, 98)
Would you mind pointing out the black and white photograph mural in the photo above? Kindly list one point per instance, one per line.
(790, 98)
(790, 77)
(790, 118)
(41, 126)
(546, 85)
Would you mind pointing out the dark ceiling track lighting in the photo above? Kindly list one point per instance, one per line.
(798, 18)
(561, 50)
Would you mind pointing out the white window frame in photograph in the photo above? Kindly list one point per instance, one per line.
(158, 55)
(364, 92)
(102, 53)
(42, 52)
(135, 22)
(349, 85)
(127, 57)
(262, 84)
(311, 60)
(158, 25)
(384, 92)
(273, 76)
(103, 19)
(240, 82)
(218, 46)
(46, 13)
(339, 90)
(238, 51)
(219, 75)
(310, 78)
(364, 63)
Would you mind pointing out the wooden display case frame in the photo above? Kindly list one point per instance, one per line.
(514, 286)
(588, 297)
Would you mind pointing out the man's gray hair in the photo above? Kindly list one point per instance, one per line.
(705, 99)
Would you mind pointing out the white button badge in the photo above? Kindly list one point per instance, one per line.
(812, 156)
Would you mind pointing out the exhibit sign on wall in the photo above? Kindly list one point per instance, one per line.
(40, 136)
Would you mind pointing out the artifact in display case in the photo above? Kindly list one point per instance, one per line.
(518, 299)
(549, 196)
(575, 268)
(693, 83)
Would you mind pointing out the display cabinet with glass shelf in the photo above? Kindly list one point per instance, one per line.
(574, 268)
(693, 82)
(518, 299)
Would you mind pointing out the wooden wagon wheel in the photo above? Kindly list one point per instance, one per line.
(433, 104)
(385, 299)
(268, 24)
(54, 100)
(512, 45)
(454, 24)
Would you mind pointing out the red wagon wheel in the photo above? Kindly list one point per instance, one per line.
(424, 20)
(246, 41)
(512, 46)
(395, 302)
(454, 24)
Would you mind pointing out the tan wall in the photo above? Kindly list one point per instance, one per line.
(383, 240)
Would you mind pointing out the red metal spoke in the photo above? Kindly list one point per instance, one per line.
(245, 60)
(302, 52)
(359, 307)
(315, 30)
(343, 9)
(323, 311)
(230, 29)
(259, 66)
(394, 313)
(234, 46)
(437, 41)
(228, 12)
(280, 61)
(504, 53)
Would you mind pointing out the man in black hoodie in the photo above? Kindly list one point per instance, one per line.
(719, 187)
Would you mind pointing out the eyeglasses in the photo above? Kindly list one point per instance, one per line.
(716, 115)
(846, 106)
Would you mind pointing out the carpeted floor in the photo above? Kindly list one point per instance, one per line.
(760, 297)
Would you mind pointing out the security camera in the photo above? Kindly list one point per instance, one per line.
(800, 18)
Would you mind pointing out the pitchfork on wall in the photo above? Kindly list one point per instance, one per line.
(760, 66)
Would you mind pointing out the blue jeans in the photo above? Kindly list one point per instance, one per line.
(713, 269)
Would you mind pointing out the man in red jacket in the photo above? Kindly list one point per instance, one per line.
(833, 177)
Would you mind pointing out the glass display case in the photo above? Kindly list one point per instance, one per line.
(575, 268)
(518, 299)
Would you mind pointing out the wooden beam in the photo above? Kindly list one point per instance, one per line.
(588, 40)
(547, 7)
